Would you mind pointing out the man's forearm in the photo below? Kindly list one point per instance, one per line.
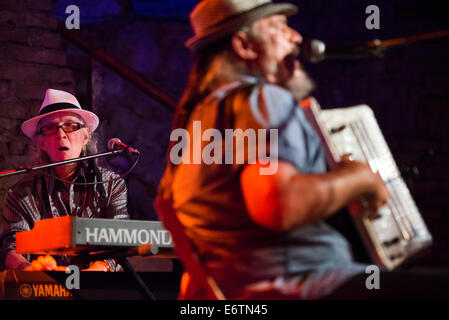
(290, 199)
(312, 197)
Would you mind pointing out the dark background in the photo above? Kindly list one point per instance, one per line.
(407, 89)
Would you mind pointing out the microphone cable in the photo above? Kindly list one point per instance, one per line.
(121, 176)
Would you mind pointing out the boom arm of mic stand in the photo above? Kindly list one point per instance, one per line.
(381, 45)
(54, 164)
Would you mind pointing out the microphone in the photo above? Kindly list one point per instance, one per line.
(117, 144)
(316, 51)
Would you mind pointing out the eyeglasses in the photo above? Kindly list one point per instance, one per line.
(66, 127)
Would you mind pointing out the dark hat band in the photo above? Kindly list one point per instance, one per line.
(57, 106)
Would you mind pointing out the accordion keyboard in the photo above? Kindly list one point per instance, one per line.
(398, 233)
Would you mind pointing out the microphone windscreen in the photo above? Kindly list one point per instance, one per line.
(314, 50)
(111, 143)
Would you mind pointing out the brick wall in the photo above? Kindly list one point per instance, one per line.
(31, 60)
(156, 51)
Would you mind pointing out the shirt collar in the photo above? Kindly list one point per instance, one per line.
(80, 176)
(222, 91)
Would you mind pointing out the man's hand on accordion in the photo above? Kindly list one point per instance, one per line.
(375, 195)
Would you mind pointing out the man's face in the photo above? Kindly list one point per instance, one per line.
(277, 47)
(63, 145)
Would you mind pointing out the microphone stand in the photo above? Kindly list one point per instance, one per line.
(21, 170)
(378, 47)
(408, 39)
(316, 51)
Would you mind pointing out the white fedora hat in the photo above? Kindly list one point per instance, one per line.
(59, 101)
(213, 20)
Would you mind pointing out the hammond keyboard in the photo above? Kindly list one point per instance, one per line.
(73, 236)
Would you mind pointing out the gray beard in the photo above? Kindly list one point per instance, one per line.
(300, 85)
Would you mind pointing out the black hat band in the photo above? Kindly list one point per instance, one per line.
(57, 106)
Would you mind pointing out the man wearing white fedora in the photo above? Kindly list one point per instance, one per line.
(62, 130)
(263, 236)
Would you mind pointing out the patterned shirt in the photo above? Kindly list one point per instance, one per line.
(40, 196)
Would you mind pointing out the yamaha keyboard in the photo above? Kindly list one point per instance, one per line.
(96, 239)
(51, 285)
(74, 236)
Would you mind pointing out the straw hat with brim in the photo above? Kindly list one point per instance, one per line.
(213, 20)
(59, 101)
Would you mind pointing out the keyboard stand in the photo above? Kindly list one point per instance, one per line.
(143, 288)
(121, 257)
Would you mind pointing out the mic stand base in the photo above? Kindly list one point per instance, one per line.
(147, 294)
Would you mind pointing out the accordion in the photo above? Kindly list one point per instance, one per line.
(398, 233)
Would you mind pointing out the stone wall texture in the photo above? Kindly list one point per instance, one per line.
(31, 60)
